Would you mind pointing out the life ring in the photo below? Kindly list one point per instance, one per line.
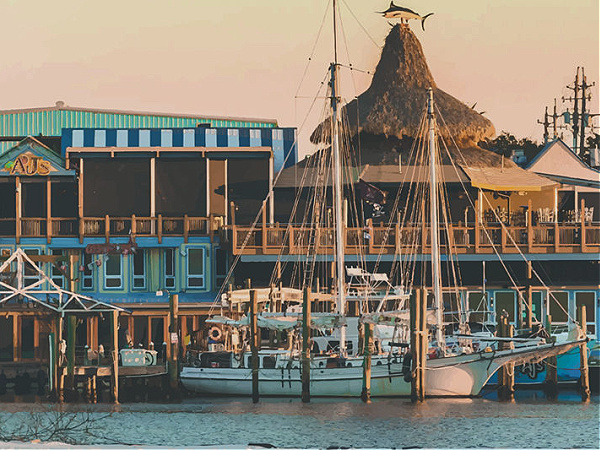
(215, 334)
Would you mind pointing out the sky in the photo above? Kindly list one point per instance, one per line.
(250, 58)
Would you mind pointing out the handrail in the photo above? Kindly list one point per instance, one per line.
(375, 239)
(108, 226)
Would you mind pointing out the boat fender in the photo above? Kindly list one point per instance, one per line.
(406, 361)
(215, 334)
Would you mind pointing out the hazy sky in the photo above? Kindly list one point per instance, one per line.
(247, 58)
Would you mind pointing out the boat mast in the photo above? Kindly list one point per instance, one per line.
(433, 203)
(337, 187)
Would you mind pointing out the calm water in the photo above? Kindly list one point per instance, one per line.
(530, 422)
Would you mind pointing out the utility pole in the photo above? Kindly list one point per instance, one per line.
(580, 116)
(546, 124)
(584, 116)
(551, 119)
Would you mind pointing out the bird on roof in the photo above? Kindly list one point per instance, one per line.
(404, 14)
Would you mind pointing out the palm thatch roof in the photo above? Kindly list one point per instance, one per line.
(393, 105)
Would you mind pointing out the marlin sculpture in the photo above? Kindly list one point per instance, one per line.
(404, 14)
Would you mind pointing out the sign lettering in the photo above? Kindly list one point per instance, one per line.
(28, 164)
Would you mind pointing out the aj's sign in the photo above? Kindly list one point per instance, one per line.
(28, 164)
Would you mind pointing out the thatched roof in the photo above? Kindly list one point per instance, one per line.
(394, 103)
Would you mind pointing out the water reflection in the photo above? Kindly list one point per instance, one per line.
(447, 423)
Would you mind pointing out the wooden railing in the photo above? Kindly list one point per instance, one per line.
(542, 238)
(108, 227)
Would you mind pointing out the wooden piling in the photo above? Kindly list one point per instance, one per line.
(254, 344)
(173, 367)
(584, 380)
(424, 342)
(416, 344)
(306, 306)
(71, 329)
(529, 312)
(368, 347)
(551, 380)
(506, 375)
(114, 379)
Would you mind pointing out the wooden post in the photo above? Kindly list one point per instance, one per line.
(477, 222)
(133, 227)
(58, 370)
(114, 379)
(551, 380)
(506, 375)
(254, 345)
(48, 210)
(18, 209)
(423, 228)
(423, 345)
(80, 197)
(264, 227)
(174, 341)
(232, 213)
(71, 329)
(582, 231)
(417, 391)
(584, 380)
(186, 228)
(368, 348)
(73, 259)
(529, 219)
(107, 228)
(36, 337)
(159, 228)
(306, 305)
(529, 312)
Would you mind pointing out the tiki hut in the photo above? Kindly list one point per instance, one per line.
(387, 115)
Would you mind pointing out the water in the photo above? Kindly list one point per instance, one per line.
(530, 422)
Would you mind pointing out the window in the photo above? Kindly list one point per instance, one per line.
(87, 278)
(166, 138)
(144, 138)
(112, 272)
(138, 262)
(100, 138)
(587, 299)
(211, 137)
(505, 301)
(122, 138)
(57, 273)
(559, 306)
(477, 306)
(189, 139)
(195, 268)
(30, 275)
(77, 138)
(169, 268)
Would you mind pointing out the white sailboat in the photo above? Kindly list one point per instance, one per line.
(462, 373)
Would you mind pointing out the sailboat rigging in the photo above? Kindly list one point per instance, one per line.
(336, 372)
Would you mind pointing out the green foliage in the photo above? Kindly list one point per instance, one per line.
(593, 141)
(506, 143)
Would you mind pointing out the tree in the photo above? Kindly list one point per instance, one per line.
(506, 143)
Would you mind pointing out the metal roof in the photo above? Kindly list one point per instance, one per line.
(49, 121)
(507, 179)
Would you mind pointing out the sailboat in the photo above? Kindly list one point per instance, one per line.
(338, 373)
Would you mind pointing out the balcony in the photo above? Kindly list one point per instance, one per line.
(379, 239)
(108, 227)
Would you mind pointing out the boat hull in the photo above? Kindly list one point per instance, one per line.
(463, 375)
